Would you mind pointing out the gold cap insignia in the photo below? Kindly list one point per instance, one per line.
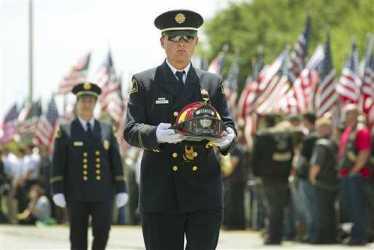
(87, 86)
(180, 18)
(106, 144)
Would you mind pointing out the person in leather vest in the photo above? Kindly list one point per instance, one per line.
(87, 172)
(354, 152)
(180, 180)
(272, 157)
(323, 177)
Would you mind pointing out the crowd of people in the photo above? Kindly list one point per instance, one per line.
(313, 177)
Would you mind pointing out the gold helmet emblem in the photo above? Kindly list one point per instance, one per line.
(180, 18)
(205, 95)
(87, 86)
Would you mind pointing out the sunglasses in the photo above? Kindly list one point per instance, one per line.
(178, 38)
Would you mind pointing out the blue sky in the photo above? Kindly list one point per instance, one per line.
(66, 29)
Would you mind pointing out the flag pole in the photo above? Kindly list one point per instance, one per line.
(31, 52)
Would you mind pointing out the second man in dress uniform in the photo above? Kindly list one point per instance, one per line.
(180, 186)
(87, 172)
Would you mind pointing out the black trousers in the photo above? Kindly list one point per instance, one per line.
(233, 214)
(327, 229)
(166, 231)
(101, 219)
(276, 199)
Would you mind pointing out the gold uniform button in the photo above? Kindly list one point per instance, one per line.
(97, 152)
(97, 171)
(195, 168)
(175, 114)
(85, 178)
(85, 160)
(98, 165)
(98, 178)
(85, 166)
(175, 168)
(175, 155)
(97, 159)
(85, 154)
(85, 172)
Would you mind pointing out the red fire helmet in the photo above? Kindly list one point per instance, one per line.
(198, 121)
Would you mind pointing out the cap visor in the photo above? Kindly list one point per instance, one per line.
(180, 33)
(87, 93)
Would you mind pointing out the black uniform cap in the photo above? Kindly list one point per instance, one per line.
(86, 88)
(175, 20)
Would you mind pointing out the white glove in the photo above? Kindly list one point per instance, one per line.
(121, 199)
(59, 200)
(166, 135)
(226, 139)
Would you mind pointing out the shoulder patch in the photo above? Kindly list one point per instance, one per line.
(134, 88)
(57, 133)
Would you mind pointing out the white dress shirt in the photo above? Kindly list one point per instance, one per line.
(84, 123)
(174, 70)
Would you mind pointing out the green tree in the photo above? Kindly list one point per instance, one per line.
(274, 24)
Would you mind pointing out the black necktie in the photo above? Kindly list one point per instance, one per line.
(89, 130)
(180, 75)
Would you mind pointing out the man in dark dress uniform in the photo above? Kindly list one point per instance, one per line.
(181, 186)
(87, 172)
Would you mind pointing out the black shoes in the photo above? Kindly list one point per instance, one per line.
(269, 242)
(352, 242)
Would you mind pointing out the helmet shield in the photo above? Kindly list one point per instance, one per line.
(199, 121)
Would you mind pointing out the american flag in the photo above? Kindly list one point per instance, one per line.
(28, 118)
(349, 84)
(230, 85)
(299, 52)
(295, 98)
(76, 74)
(278, 99)
(367, 87)
(47, 124)
(248, 94)
(305, 84)
(216, 65)
(259, 90)
(271, 84)
(325, 97)
(111, 99)
(8, 126)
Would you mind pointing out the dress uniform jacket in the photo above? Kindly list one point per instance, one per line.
(170, 181)
(87, 167)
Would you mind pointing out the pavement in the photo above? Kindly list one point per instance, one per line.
(14, 237)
